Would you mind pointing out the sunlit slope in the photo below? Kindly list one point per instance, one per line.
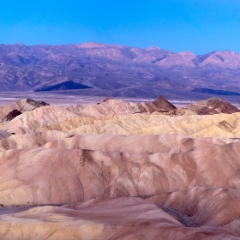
(219, 125)
(118, 117)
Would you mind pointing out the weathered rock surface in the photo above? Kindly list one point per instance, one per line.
(220, 125)
(11, 115)
(161, 105)
(119, 107)
(121, 218)
(212, 106)
(31, 176)
(115, 173)
(118, 117)
(21, 106)
(28, 121)
(185, 193)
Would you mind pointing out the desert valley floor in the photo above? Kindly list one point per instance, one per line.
(118, 169)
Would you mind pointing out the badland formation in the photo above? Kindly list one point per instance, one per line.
(119, 170)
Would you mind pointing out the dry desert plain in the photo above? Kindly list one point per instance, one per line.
(119, 170)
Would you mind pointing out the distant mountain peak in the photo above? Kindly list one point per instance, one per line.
(187, 54)
(153, 48)
(92, 45)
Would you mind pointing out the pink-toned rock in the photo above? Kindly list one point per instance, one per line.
(70, 174)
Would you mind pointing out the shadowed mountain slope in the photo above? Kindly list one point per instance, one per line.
(215, 91)
(63, 86)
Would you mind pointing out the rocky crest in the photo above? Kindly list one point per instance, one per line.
(212, 106)
(19, 107)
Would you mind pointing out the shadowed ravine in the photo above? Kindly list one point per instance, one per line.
(185, 220)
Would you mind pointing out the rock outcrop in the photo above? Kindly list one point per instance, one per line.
(20, 106)
(119, 107)
(14, 113)
(212, 106)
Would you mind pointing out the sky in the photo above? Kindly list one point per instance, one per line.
(199, 26)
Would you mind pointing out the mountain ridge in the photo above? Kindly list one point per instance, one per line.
(116, 70)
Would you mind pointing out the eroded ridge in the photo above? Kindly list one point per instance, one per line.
(66, 174)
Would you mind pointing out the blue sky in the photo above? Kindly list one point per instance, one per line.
(200, 26)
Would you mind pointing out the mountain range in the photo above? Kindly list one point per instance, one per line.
(114, 70)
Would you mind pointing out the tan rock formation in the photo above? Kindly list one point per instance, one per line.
(37, 118)
(119, 107)
(212, 106)
(220, 125)
(77, 173)
(21, 106)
